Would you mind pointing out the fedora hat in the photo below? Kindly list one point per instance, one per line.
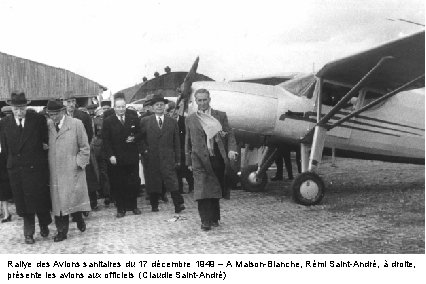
(17, 99)
(69, 95)
(6, 110)
(92, 106)
(158, 98)
(54, 106)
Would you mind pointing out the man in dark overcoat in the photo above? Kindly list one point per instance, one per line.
(161, 154)
(209, 145)
(121, 135)
(70, 101)
(24, 139)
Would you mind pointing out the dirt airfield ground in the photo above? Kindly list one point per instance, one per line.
(391, 194)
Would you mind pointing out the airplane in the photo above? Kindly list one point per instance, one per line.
(369, 105)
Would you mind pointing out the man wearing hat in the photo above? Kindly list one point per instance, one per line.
(161, 154)
(68, 158)
(69, 102)
(121, 135)
(24, 140)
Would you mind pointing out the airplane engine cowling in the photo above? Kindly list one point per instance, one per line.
(251, 108)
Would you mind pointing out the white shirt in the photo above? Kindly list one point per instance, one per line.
(61, 122)
(22, 121)
(158, 119)
(207, 111)
(119, 117)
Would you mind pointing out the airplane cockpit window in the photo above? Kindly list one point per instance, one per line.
(331, 94)
(301, 86)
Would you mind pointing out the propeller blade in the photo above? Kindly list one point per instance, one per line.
(185, 88)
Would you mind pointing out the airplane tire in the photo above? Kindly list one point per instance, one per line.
(308, 189)
(251, 182)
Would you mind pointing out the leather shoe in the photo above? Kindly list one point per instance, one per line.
(205, 226)
(155, 209)
(44, 231)
(81, 226)
(29, 240)
(137, 211)
(215, 224)
(180, 208)
(275, 178)
(59, 237)
(120, 214)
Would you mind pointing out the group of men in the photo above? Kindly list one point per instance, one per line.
(48, 161)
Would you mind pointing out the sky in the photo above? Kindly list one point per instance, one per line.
(116, 43)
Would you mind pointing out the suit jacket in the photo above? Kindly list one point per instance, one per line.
(87, 122)
(27, 162)
(162, 153)
(114, 135)
(206, 184)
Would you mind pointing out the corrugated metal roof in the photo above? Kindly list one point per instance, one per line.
(40, 81)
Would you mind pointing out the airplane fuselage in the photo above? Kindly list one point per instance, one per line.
(392, 131)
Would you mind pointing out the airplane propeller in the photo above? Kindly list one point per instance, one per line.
(185, 88)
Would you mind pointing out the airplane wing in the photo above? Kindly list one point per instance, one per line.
(408, 62)
(268, 80)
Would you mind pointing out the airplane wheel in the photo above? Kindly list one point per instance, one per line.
(308, 188)
(251, 181)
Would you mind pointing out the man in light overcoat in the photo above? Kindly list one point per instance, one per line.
(69, 154)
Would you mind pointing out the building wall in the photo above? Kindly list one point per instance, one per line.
(41, 82)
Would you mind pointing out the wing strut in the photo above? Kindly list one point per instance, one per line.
(375, 102)
(353, 91)
(307, 139)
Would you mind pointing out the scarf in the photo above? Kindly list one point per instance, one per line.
(211, 127)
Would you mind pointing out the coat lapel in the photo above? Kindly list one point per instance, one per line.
(154, 124)
(16, 137)
(27, 130)
(65, 127)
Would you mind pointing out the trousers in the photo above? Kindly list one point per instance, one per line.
(44, 218)
(62, 222)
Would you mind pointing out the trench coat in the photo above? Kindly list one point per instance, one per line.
(27, 163)
(69, 154)
(206, 184)
(161, 153)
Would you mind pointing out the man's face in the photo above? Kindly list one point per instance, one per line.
(203, 101)
(120, 107)
(70, 105)
(106, 107)
(56, 116)
(19, 111)
(158, 108)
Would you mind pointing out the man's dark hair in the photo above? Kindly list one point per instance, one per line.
(202, 91)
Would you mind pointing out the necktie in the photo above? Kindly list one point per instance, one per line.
(160, 122)
(57, 127)
(122, 119)
(20, 125)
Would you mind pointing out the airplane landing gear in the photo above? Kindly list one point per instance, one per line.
(253, 181)
(308, 188)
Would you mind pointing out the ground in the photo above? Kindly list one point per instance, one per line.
(369, 207)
